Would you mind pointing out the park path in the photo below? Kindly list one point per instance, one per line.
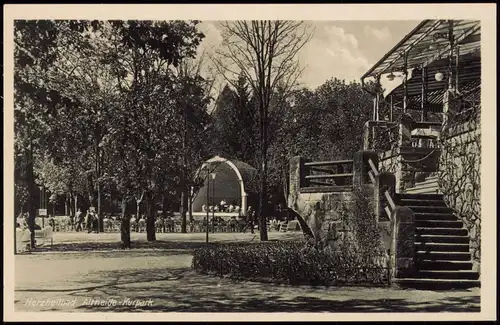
(160, 279)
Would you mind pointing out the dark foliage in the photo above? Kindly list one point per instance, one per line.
(296, 263)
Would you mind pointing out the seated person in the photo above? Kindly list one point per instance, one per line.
(223, 205)
(230, 208)
(210, 208)
(216, 208)
(52, 222)
(204, 208)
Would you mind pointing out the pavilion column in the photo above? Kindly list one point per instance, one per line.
(424, 94)
(405, 82)
(391, 112)
(448, 96)
(377, 99)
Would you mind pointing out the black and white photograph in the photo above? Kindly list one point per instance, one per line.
(285, 165)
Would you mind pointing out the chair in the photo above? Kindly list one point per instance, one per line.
(178, 226)
(44, 234)
(283, 226)
(142, 225)
(159, 224)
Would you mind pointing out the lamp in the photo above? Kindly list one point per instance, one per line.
(439, 76)
(391, 76)
(435, 38)
(215, 204)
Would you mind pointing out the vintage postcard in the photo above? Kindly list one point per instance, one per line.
(257, 162)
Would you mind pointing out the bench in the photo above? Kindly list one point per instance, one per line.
(293, 225)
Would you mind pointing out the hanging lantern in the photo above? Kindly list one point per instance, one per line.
(439, 76)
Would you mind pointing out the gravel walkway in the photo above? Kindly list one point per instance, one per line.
(158, 278)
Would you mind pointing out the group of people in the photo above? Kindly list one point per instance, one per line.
(222, 207)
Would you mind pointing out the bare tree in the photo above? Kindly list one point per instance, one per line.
(265, 52)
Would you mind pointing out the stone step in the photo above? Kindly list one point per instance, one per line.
(442, 247)
(443, 265)
(428, 180)
(421, 216)
(441, 231)
(423, 190)
(447, 274)
(430, 208)
(422, 202)
(448, 239)
(443, 256)
(410, 196)
(439, 224)
(436, 284)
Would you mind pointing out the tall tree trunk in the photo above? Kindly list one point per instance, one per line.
(125, 226)
(164, 205)
(150, 219)
(184, 208)
(98, 176)
(263, 174)
(76, 204)
(190, 206)
(66, 205)
(184, 194)
(31, 193)
(100, 225)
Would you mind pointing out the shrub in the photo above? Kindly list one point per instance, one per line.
(291, 262)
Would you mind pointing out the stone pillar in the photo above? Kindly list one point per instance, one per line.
(361, 167)
(366, 136)
(403, 242)
(296, 178)
(244, 204)
(404, 176)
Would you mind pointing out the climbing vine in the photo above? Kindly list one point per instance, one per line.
(460, 162)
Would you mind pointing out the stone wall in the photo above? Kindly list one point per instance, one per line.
(460, 179)
(329, 214)
(325, 213)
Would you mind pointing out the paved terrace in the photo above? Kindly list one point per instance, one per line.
(83, 269)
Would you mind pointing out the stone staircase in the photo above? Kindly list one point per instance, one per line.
(428, 186)
(443, 259)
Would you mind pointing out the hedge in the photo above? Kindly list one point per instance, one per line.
(290, 262)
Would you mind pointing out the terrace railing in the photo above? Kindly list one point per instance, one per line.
(335, 175)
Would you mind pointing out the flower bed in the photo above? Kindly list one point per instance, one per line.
(291, 262)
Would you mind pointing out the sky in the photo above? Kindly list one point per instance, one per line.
(341, 49)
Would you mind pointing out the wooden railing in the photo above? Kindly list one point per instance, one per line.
(374, 176)
(328, 173)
